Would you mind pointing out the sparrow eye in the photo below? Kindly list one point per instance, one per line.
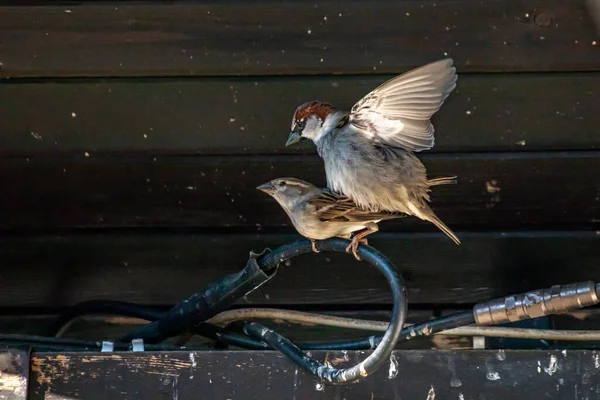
(282, 184)
(301, 124)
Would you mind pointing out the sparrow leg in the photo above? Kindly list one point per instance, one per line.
(314, 247)
(359, 238)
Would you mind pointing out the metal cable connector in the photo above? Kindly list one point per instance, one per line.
(555, 300)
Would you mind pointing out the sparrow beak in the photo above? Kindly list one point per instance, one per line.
(267, 188)
(294, 137)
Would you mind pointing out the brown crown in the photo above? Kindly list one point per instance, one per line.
(318, 108)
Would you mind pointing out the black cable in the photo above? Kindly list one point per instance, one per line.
(203, 305)
(79, 344)
(381, 353)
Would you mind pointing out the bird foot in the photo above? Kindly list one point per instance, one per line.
(314, 247)
(356, 241)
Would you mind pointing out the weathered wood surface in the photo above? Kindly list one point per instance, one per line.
(162, 269)
(477, 374)
(14, 374)
(554, 190)
(491, 112)
(299, 37)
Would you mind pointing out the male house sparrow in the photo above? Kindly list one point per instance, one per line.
(368, 152)
(320, 214)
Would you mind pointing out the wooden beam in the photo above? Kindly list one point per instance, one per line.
(300, 37)
(495, 191)
(491, 112)
(424, 374)
(162, 269)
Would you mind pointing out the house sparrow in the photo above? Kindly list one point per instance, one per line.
(369, 151)
(320, 214)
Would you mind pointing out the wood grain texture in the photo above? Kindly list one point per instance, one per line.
(162, 269)
(491, 112)
(433, 374)
(300, 37)
(495, 191)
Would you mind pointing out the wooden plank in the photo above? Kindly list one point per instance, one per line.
(267, 38)
(68, 269)
(495, 191)
(433, 374)
(495, 112)
(14, 374)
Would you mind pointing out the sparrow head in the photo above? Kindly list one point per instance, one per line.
(287, 190)
(308, 121)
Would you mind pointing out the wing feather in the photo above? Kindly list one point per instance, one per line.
(398, 112)
(331, 206)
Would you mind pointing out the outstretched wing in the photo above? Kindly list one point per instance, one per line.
(331, 206)
(398, 112)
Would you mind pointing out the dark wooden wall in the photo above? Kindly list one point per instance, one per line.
(133, 135)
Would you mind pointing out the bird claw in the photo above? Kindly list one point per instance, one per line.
(314, 247)
(356, 241)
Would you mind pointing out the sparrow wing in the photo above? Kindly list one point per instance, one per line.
(399, 111)
(331, 206)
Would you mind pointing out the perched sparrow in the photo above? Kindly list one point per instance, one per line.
(368, 152)
(320, 214)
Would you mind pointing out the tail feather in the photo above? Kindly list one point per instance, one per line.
(448, 180)
(431, 217)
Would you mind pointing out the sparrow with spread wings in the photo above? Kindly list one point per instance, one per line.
(369, 152)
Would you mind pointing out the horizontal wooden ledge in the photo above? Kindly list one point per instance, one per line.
(246, 375)
(487, 112)
(496, 191)
(259, 37)
(163, 269)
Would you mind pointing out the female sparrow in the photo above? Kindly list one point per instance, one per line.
(368, 152)
(320, 214)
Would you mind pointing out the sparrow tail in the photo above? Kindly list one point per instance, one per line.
(431, 217)
(449, 180)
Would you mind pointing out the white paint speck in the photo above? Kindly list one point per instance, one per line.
(594, 43)
(393, 371)
(320, 387)
(468, 112)
(461, 396)
(408, 14)
(67, 11)
(526, 15)
(309, 31)
(492, 376)
(552, 366)
(36, 136)
(501, 355)
(564, 353)
(596, 360)
(86, 154)
(231, 119)
(521, 143)
(431, 394)
(193, 359)
(539, 367)
(73, 115)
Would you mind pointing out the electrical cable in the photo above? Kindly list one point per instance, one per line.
(385, 346)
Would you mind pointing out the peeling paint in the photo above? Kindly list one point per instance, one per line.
(500, 355)
(552, 366)
(539, 367)
(493, 376)
(596, 360)
(393, 371)
(431, 394)
(320, 387)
